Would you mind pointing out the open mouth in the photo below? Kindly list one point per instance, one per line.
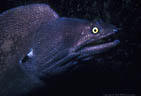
(98, 45)
(105, 39)
(94, 46)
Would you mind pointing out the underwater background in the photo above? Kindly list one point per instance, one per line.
(112, 72)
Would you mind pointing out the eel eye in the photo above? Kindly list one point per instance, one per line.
(95, 30)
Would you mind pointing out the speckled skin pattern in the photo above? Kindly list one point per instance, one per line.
(17, 29)
(58, 43)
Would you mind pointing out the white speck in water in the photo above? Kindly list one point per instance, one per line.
(30, 54)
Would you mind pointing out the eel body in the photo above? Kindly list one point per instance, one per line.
(36, 43)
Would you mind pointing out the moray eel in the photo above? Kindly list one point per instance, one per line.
(36, 43)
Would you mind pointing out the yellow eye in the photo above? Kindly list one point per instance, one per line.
(95, 30)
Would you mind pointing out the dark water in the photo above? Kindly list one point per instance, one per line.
(111, 72)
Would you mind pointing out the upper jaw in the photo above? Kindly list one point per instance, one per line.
(105, 38)
(94, 45)
(97, 41)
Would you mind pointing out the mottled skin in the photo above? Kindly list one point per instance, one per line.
(57, 43)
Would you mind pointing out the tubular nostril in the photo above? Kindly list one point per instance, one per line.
(115, 30)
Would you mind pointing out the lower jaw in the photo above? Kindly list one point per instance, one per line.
(95, 49)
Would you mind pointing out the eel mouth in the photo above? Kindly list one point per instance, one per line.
(98, 45)
(104, 40)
